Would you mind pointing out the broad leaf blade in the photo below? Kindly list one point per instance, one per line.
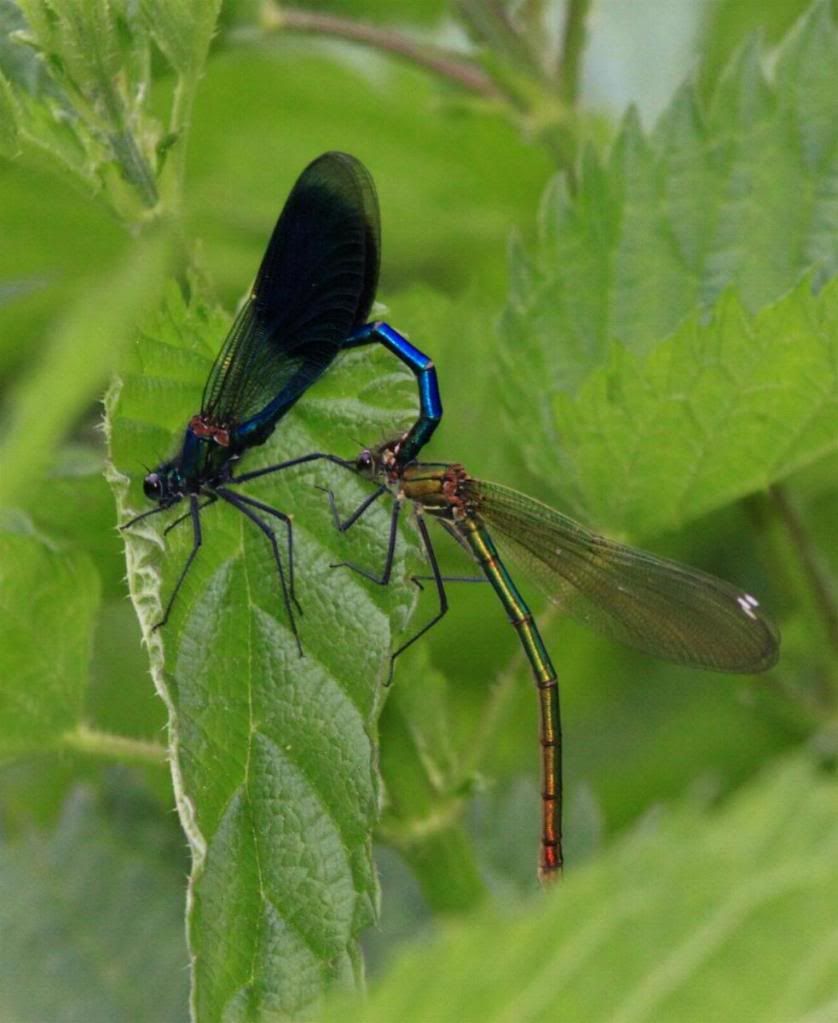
(695, 917)
(737, 197)
(183, 30)
(273, 754)
(718, 411)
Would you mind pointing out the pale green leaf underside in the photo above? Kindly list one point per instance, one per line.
(274, 755)
(722, 917)
(739, 197)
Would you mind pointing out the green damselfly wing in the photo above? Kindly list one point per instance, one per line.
(653, 604)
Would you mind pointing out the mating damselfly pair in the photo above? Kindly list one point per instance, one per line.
(311, 300)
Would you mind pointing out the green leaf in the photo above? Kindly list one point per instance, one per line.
(273, 754)
(84, 34)
(48, 604)
(728, 22)
(75, 367)
(183, 30)
(736, 197)
(720, 410)
(97, 906)
(84, 103)
(691, 918)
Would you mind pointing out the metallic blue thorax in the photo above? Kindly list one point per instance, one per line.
(201, 460)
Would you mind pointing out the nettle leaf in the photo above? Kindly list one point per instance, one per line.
(49, 599)
(718, 411)
(273, 754)
(84, 35)
(95, 904)
(735, 197)
(688, 918)
(182, 29)
(84, 94)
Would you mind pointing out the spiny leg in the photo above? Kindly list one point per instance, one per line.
(236, 501)
(362, 508)
(286, 520)
(182, 518)
(419, 579)
(384, 578)
(440, 589)
(280, 466)
(146, 515)
(197, 540)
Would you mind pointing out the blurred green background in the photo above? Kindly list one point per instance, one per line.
(88, 837)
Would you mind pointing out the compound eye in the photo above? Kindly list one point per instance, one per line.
(364, 461)
(153, 486)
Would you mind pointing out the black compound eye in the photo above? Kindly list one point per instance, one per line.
(364, 461)
(153, 486)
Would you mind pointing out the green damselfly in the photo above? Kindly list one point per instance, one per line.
(653, 604)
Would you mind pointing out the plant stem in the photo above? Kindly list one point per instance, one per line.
(445, 867)
(435, 58)
(181, 112)
(92, 742)
(490, 20)
(573, 46)
(807, 554)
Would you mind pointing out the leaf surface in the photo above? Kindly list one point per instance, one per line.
(273, 753)
(693, 917)
(661, 357)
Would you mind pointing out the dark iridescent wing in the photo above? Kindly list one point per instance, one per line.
(315, 286)
(653, 604)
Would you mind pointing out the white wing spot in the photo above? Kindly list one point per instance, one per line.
(748, 603)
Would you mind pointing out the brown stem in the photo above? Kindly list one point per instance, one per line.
(501, 33)
(807, 555)
(435, 58)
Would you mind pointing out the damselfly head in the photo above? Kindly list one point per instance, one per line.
(372, 462)
(161, 485)
(365, 462)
